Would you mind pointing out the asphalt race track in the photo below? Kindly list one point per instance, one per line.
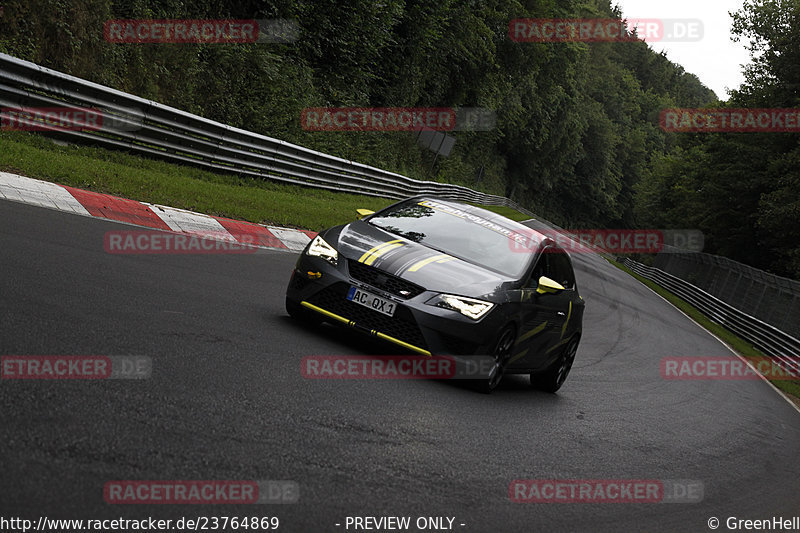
(226, 401)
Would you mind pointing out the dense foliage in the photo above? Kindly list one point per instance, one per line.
(742, 189)
(577, 136)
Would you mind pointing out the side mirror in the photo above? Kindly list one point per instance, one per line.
(361, 213)
(548, 286)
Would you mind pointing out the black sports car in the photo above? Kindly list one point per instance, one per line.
(439, 277)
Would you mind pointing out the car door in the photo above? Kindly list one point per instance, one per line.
(565, 304)
(543, 315)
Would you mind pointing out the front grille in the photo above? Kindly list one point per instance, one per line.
(381, 280)
(401, 326)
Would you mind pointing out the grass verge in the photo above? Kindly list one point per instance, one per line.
(741, 346)
(185, 187)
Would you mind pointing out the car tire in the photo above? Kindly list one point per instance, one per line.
(554, 377)
(298, 312)
(501, 354)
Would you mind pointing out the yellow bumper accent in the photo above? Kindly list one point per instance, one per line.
(378, 334)
(328, 314)
(401, 343)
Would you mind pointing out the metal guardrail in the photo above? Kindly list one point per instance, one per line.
(769, 339)
(148, 128)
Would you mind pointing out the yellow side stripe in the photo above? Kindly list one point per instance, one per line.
(569, 314)
(378, 334)
(561, 343)
(520, 354)
(442, 258)
(538, 329)
(375, 249)
(382, 251)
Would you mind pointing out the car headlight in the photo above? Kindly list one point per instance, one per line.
(469, 307)
(320, 248)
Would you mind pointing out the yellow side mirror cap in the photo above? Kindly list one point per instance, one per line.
(547, 285)
(363, 213)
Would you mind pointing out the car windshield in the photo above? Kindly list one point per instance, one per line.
(490, 243)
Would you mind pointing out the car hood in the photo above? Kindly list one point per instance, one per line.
(415, 262)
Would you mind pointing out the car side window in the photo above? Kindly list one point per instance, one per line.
(538, 271)
(560, 269)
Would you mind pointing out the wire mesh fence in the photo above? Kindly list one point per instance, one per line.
(770, 298)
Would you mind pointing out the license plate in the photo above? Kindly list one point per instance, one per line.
(376, 303)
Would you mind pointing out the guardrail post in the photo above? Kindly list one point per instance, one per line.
(760, 299)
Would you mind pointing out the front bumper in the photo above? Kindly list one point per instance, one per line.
(420, 328)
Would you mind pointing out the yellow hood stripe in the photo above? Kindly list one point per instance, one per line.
(441, 258)
(376, 248)
(371, 259)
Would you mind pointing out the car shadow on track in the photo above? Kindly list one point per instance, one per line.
(346, 342)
